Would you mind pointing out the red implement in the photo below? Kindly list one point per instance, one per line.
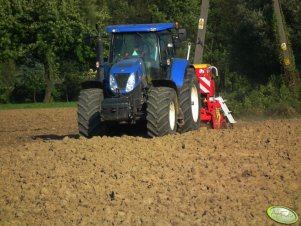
(214, 109)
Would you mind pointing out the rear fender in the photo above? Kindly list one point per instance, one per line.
(178, 71)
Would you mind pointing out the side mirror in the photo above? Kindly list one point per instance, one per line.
(182, 33)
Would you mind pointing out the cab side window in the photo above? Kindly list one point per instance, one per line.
(166, 46)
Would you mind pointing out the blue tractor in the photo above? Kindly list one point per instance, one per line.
(143, 80)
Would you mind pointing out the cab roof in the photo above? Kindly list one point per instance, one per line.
(139, 27)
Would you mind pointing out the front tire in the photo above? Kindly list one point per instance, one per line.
(88, 112)
(190, 102)
(162, 111)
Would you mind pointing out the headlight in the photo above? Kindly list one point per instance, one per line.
(113, 83)
(131, 83)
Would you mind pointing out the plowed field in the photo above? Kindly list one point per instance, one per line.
(51, 176)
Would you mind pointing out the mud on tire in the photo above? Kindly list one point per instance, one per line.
(162, 108)
(88, 112)
(190, 102)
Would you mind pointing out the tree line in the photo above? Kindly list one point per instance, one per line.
(43, 56)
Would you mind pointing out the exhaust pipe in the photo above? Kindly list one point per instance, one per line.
(189, 48)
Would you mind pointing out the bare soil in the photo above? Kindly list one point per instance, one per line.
(51, 176)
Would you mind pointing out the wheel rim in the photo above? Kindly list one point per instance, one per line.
(194, 103)
(172, 115)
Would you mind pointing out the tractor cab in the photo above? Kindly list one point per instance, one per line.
(140, 51)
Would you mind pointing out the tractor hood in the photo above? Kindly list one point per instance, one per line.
(126, 66)
(126, 75)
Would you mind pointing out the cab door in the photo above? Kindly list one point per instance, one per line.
(167, 53)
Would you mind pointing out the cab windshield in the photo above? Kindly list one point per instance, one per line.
(154, 48)
(136, 44)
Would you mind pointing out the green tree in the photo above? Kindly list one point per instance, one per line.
(30, 80)
(50, 37)
(8, 72)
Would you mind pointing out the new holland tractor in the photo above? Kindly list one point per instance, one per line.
(143, 80)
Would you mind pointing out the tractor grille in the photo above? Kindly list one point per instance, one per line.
(121, 80)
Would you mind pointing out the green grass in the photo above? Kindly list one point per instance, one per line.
(38, 105)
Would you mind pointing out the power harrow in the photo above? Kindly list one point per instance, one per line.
(214, 110)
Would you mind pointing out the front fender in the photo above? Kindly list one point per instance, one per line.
(178, 71)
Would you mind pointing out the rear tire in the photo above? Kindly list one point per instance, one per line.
(162, 109)
(88, 112)
(190, 102)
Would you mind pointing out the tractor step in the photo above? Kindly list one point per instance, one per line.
(225, 109)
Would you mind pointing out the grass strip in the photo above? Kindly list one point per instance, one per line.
(38, 105)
